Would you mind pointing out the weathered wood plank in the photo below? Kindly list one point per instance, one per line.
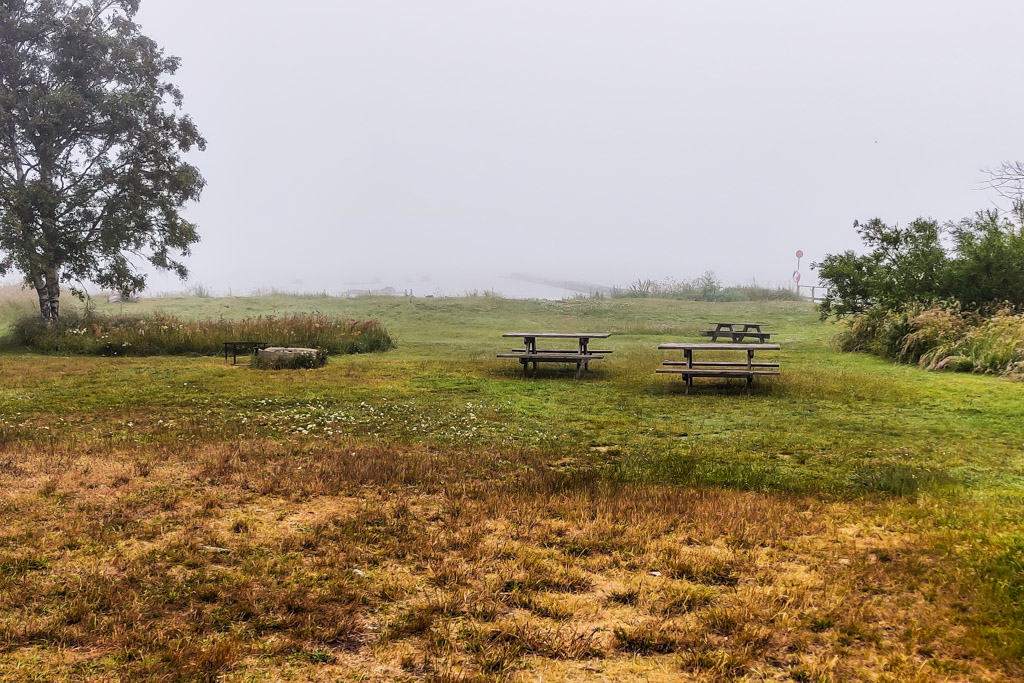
(602, 351)
(559, 335)
(713, 346)
(735, 335)
(552, 358)
(714, 372)
(723, 364)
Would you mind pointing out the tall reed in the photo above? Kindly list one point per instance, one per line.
(159, 334)
(942, 337)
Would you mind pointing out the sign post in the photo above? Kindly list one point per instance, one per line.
(796, 273)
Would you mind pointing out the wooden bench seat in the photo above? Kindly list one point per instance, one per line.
(736, 336)
(720, 364)
(715, 372)
(565, 351)
(687, 374)
(582, 360)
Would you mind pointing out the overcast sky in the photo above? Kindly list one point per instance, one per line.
(452, 143)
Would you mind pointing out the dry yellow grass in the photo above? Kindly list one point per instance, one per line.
(353, 561)
(15, 293)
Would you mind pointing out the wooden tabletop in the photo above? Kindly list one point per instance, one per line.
(559, 335)
(718, 347)
(738, 324)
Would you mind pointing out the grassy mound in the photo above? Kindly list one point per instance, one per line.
(158, 334)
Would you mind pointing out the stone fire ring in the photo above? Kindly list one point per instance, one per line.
(275, 354)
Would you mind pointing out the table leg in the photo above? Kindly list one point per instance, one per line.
(688, 353)
(531, 347)
(750, 367)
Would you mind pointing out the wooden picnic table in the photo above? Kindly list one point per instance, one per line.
(737, 332)
(582, 355)
(690, 368)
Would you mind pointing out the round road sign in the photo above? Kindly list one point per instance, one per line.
(799, 253)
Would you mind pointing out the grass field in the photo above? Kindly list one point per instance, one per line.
(425, 513)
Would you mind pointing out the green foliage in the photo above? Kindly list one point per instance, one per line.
(904, 265)
(877, 331)
(91, 169)
(989, 264)
(707, 287)
(913, 300)
(982, 269)
(298, 361)
(158, 334)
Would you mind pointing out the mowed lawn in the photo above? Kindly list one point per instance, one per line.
(427, 514)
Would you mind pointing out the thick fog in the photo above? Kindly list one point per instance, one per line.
(448, 145)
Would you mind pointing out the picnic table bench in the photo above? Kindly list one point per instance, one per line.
(689, 368)
(582, 356)
(737, 332)
(234, 346)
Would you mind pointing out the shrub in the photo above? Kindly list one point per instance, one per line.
(941, 337)
(879, 331)
(933, 332)
(995, 345)
(159, 334)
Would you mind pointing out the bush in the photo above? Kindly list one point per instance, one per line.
(995, 345)
(158, 334)
(942, 337)
(297, 361)
(879, 331)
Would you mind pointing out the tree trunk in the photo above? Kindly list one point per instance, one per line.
(48, 289)
(53, 290)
